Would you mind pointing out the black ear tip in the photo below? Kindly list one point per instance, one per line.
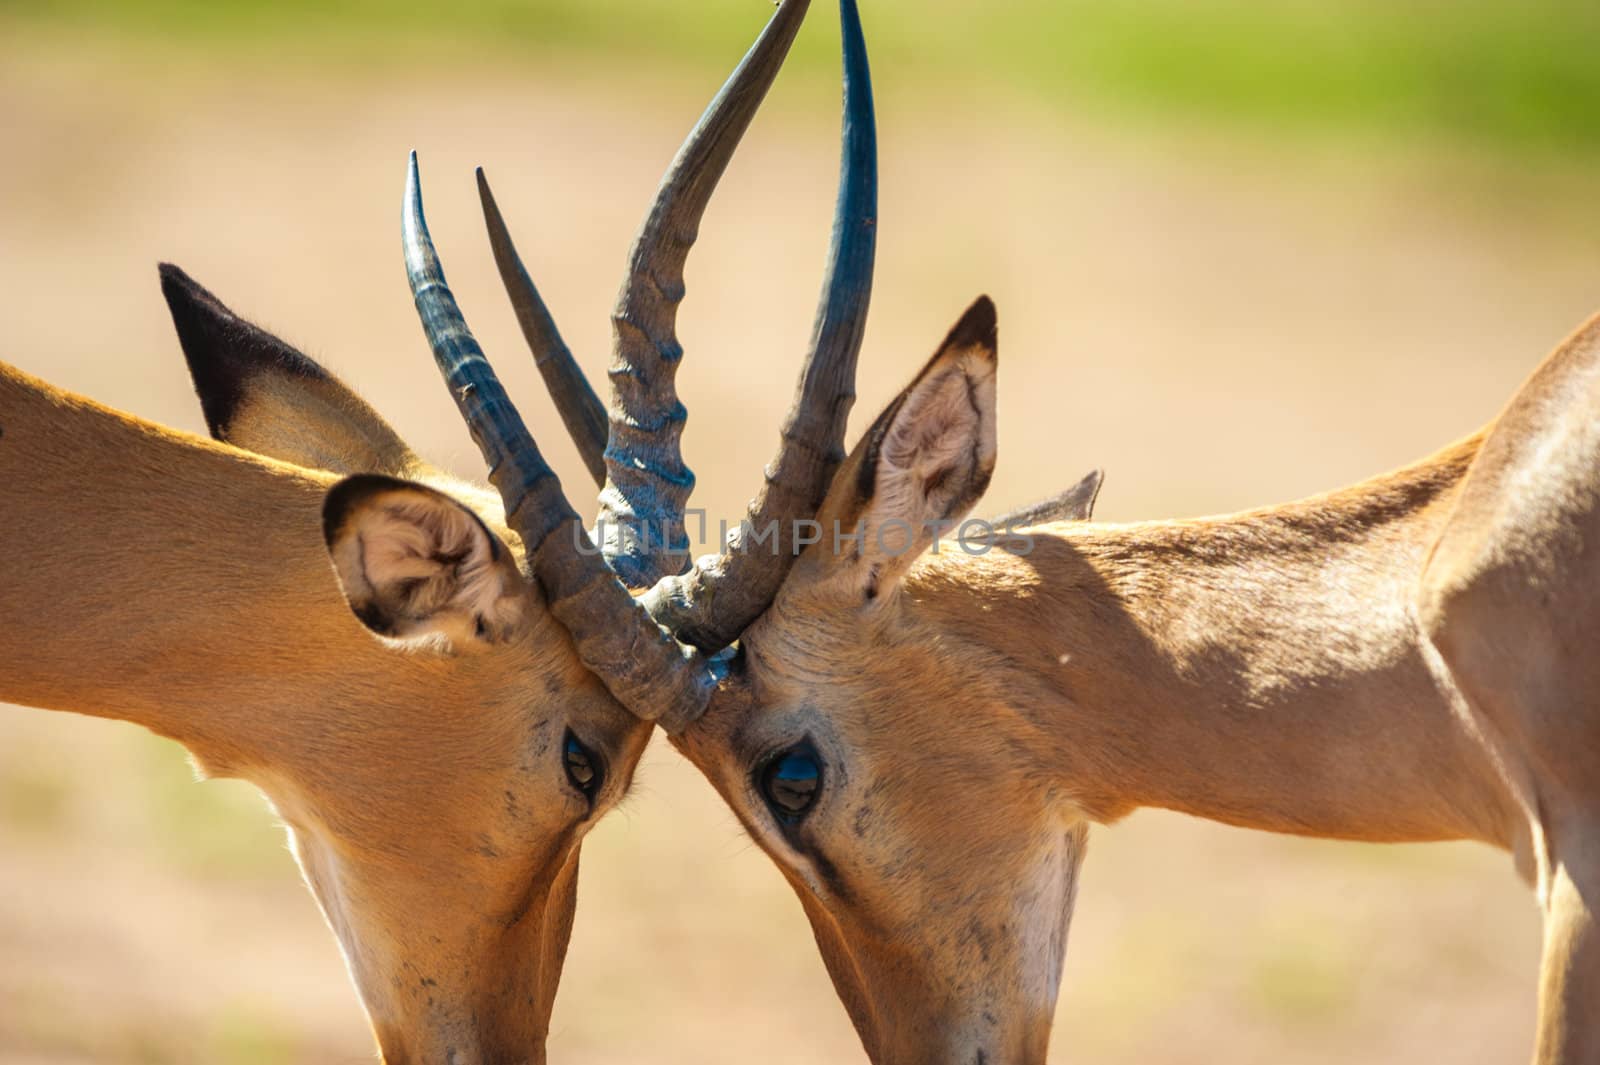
(222, 349)
(191, 304)
(978, 328)
(173, 277)
(206, 333)
(175, 283)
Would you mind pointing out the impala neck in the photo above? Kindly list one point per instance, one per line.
(1264, 670)
(144, 586)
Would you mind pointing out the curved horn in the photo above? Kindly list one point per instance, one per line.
(581, 410)
(647, 485)
(712, 604)
(644, 668)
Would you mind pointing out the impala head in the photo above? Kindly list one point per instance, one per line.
(867, 746)
(451, 751)
(525, 674)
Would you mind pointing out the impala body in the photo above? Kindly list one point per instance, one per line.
(439, 688)
(920, 740)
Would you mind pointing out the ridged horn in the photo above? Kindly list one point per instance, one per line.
(712, 604)
(647, 484)
(644, 668)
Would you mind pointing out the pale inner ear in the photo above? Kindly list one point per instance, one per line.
(413, 562)
(937, 454)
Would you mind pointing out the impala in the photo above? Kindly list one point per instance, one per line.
(920, 733)
(921, 739)
(438, 690)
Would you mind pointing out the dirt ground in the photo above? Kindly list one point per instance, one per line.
(1217, 323)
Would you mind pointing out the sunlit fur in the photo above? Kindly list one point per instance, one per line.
(1269, 669)
(1511, 598)
(184, 585)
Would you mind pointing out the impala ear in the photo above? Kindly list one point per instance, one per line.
(1075, 504)
(924, 463)
(413, 562)
(263, 395)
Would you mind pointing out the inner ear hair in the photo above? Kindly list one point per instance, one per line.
(867, 472)
(926, 439)
(414, 562)
(932, 453)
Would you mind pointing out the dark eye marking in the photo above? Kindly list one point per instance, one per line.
(790, 781)
(586, 771)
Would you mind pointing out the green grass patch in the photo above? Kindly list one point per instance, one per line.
(1506, 76)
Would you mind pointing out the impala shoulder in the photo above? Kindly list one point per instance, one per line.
(1529, 498)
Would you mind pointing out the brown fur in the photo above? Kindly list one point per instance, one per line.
(318, 424)
(1510, 597)
(184, 585)
(1267, 669)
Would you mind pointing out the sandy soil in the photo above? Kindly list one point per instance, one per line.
(1217, 324)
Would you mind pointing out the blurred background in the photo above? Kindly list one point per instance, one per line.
(1243, 253)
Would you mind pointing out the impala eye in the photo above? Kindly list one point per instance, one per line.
(584, 769)
(791, 781)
